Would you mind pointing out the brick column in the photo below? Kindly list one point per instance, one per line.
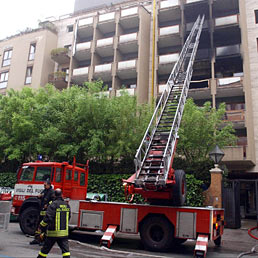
(213, 196)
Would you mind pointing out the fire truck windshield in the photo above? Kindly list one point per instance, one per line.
(27, 173)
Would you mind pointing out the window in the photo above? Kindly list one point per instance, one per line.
(28, 75)
(4, 80)
(32, 51)
(70, 28)
(75, 176)
(58, 175)
(27, 173)
(68, 174)
(82, 179)
(256, 16)
(7, 57)
(43, 173)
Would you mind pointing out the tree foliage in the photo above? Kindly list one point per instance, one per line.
(201, 129)
(80, 121)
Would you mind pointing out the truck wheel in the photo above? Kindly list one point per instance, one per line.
(29, 220)
(179, 189)
(157, 234)
(217, 241)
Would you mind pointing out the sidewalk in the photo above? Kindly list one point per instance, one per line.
(238, 240)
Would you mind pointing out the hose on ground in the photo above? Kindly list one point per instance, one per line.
(253, 250)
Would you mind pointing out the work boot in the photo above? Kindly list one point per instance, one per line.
(34, 242)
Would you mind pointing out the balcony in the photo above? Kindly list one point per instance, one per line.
(227, 21)
(226, 51)
(128, 43)
(130, 92)
(222, 6)
(169, 10)
(237, 157)
(161, 88)
(129, 18)
(80, 75)
(166, 63)
(230, 87)
(237, 117)
(103, 71)
(85, 27)
(169, 36)
(58, 79)
(127, 69)
(83, 51)
(106, 23)
(105, 47)
(200, 90)
(189, 25)
(61, 55)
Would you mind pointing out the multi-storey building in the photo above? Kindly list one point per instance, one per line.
(133, 45)
(26, 60)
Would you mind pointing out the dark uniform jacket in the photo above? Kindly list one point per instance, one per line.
(57, 219)
(47, 196)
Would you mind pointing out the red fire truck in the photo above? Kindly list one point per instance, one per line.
(163, 221)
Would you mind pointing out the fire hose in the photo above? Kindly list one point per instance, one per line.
(253, 250)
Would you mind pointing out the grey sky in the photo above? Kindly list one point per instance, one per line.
(17, 15)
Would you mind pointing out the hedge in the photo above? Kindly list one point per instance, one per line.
(112, 185)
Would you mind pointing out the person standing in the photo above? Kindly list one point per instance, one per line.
(55, 225)
(46, 197)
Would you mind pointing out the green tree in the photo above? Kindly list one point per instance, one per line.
(201, 129)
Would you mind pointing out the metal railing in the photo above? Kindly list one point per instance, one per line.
(144, 147)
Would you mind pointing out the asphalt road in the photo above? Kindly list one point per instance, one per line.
(14, 244)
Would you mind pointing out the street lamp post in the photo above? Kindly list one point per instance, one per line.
(214, 192)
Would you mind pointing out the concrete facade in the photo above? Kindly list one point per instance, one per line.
(41, 65)
(133, 46)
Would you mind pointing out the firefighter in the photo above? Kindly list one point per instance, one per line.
(55, 225)
(46, 197)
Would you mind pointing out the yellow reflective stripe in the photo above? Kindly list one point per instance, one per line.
(43, 213)
(67, 221)
(43, 224)
(41, 254)
(66, 254)
(60, 233)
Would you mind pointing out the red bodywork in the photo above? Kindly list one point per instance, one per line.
(208, 221)
(72, 179)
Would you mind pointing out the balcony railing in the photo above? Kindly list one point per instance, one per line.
(85, 21)
(228, 81)
(61, 55)
(107, 17)
(128, 37)
(130, 64)
(105, 42)
(235, 115)
(103, 68)
(80, 71)
(130, 11)
(169, 30)
(170, 58)
(59, 79)
(169, 3)
(192, 1)
(228, 50)
(236, 153)
(83, 46)
(227, 20)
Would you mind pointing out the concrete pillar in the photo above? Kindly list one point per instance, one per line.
(213, 196)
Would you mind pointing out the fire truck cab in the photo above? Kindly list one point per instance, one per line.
(72, 179)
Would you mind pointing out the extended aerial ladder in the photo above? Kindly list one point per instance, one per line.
(155, 178)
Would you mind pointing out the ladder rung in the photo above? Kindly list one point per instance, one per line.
(153, 168)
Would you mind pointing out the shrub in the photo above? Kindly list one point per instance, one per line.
(7, 179)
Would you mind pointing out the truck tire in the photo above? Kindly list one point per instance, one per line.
(179, 189)
(157, 233)
(28, 220)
